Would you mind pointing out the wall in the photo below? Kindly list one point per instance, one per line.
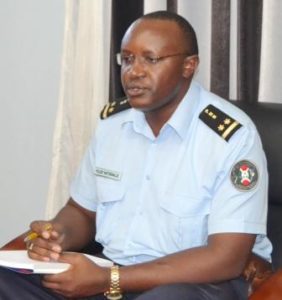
(31, 40)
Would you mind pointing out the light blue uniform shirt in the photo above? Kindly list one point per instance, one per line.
(158, 195)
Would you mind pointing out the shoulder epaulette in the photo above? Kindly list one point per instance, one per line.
(114, 107)
(219, 122)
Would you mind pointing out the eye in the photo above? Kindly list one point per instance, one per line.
(151, 60)
(127, 59)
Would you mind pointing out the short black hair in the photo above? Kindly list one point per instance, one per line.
(183, 24)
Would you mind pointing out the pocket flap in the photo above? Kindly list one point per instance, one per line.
(184, 206)
(110, 192)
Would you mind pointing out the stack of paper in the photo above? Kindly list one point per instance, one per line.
(18, 260)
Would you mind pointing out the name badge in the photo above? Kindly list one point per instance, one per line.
(108, 173)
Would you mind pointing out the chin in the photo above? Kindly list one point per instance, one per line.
(140, 102)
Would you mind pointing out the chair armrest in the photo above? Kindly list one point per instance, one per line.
(270, 289)
(16, 244)
(256, 271)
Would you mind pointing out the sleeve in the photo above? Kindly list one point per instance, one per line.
(240, 195)
(83, 186)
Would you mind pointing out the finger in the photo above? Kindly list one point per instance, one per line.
(34, 253)
(55, 281)
(47, 231)
(56, 286)
(43, 255)
(45, 244)
(57, 237)
(51, 284)
(30, 246)
(72, 258)
(40, 226)
(50, 244)
(52, 278)
(67, 257)
(43, 250)
(55, 234)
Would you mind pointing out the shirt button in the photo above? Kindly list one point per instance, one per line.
(148, 177)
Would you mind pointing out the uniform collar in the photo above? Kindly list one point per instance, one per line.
(182, 117)
(139, 123)
(179, 121)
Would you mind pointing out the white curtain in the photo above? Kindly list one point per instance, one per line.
(84, 91)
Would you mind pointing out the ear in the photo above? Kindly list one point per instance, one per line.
(190, 66)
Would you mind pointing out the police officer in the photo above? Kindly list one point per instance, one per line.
(173, 185)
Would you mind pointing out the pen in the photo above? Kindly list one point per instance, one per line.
(33, 235)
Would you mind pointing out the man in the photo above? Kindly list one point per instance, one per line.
(176, 185)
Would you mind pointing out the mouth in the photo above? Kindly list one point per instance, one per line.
(135, 91)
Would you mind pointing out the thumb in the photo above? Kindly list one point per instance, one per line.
(68, 257)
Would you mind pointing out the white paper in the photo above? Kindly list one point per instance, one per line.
(18, 260)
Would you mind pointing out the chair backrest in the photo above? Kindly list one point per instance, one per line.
(268, 119)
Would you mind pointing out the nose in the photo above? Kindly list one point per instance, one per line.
(137, 68)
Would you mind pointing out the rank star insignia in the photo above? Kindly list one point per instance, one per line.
(221, 123)
(221, 127)
(244, 175)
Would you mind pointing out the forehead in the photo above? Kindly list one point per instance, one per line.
(153, 35)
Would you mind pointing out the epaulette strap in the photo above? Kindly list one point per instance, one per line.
(114, 107)
(219, 122)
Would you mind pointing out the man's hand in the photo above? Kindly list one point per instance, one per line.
(83, 278)
(48, 243)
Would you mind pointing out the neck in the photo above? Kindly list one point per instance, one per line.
(156, 118)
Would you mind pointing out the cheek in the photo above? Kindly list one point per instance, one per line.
(169, 75)
(122, 77)
(125, 74)
(166, 82)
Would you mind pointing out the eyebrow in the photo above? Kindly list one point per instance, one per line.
(145, 52)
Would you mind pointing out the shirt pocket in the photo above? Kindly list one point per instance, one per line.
(188, 216)
(109, 192)
(110, 199)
